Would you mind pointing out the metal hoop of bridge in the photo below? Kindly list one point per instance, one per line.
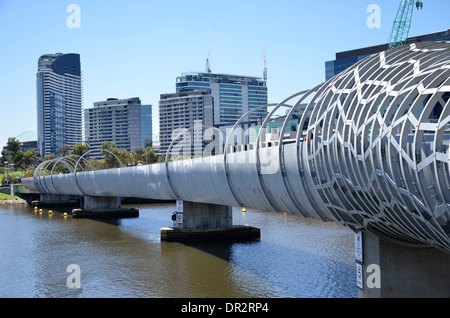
(82, 157)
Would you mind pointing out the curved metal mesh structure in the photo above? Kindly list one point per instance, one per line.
(376, 148)
(370, 149)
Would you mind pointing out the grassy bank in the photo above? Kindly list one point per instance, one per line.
(15, 175)
(8, 197)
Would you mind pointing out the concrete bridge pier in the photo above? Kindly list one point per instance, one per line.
(395, 271)
(54, 201)
(94, 207)
(202, 221)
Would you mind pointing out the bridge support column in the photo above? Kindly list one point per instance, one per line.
(203, 221)
(403, 272)
(93, 207)
(204, 216)
(100, 203)
(54, 201)
(54, 197)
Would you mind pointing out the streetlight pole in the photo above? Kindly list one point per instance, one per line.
(6, 172)
(12, 172)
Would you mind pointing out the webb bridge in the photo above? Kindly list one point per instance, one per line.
(369, 149)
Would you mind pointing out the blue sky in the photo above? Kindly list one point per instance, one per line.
(137, 48)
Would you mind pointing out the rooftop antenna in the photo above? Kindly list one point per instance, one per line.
(265, 61)
(208, 60)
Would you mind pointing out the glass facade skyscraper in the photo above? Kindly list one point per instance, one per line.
(233, 95)
(146, 126)
(348, 58)
(59, 102)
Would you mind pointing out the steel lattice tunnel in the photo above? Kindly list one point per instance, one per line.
(377, 145)
(370, 149)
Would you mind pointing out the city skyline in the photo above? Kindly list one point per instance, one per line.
(211, 99)
(138, 48)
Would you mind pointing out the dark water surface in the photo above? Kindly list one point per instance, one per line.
(296, 258)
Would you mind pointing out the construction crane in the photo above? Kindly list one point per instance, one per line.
(265, 61)
(208, 60)
(402, 23)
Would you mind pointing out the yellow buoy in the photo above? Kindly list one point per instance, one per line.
(50, 212)
(244, 210)
(65, 213)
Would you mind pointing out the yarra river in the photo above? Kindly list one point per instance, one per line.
(295, 258)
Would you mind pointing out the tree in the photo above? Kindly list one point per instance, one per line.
(29, 157)
(123, 156)
(150, 156)
(80, 149)
(11, 150)
(19, 161)
(48, 157)
(162, 159)
(146, 156)
(63, 150)
(138, 155)
(112, 154)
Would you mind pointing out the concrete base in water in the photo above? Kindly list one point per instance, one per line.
(55, 201)
(55, 204)
(119, 213)
(237, 233)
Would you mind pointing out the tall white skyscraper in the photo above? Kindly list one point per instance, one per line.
(59, 102)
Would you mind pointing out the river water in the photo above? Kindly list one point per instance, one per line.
(295, 258)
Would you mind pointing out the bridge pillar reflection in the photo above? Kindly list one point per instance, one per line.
(204, 221)
(403, 271)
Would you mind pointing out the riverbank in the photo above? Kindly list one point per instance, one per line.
(19, 202)
(6, 199)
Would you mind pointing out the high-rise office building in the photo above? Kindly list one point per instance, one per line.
(215, 100)
(348, 58)
(126, 122)
(191, 110)
(59, 102)
(233, 95)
